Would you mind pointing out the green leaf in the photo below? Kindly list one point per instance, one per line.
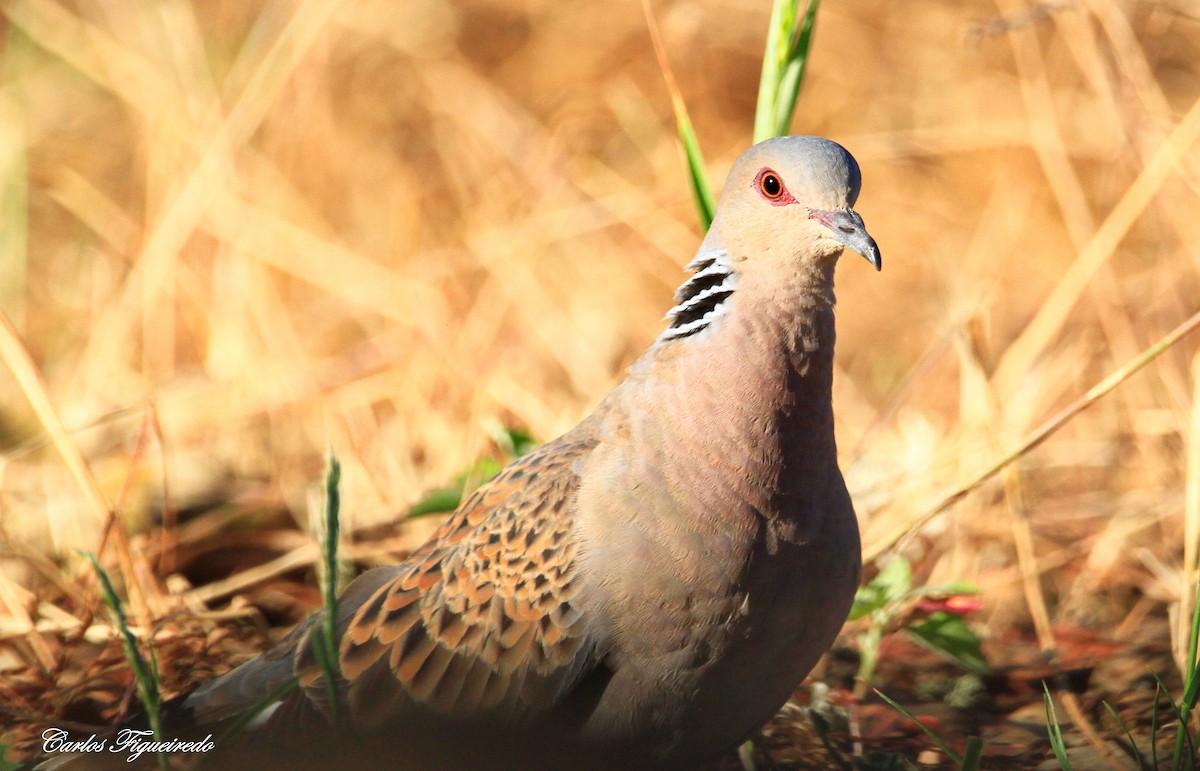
(866, 600)
(890, 584)
(513, 443)
(437, 501)
(868, 647)
(951, 588)
(948, 634)
(894, 579)
(785, 61)
(7, 765)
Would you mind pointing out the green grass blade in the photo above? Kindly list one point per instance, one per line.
(327, 650)
(783, 15)
(1193, 641)
(145, 675)
(1154, 726)
(954, 756)
(1055, 731)
(1191, 686)
(693, 158)
(1182, 734)
(821, 728)
(972, 755)
(1137, 754)
(702, 196)
(785, 62)
(1190, 691)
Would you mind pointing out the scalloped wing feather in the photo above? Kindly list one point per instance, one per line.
(482, 618)
(479, 620)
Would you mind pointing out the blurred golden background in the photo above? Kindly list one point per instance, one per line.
(238, 234)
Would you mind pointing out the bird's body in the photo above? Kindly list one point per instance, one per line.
(650, 587)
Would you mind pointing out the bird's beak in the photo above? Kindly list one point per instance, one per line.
(847, 228)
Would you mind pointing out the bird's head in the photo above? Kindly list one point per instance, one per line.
(793, 195)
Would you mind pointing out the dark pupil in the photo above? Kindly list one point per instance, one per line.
(771, 185)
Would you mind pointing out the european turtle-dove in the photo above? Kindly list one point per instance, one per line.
(647, 589)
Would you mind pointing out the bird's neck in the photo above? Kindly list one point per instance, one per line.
(755, 339)
(775, 353)
(749, 394)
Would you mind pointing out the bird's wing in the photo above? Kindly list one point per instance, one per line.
(481, 620)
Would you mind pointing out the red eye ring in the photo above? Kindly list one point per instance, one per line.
(770, 186)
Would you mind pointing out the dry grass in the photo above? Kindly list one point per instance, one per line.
(238, 234)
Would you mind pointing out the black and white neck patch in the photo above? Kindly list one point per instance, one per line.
(702, 299)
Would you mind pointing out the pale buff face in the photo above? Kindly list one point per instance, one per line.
(792, 196)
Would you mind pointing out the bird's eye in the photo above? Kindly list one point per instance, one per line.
(770, 184)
